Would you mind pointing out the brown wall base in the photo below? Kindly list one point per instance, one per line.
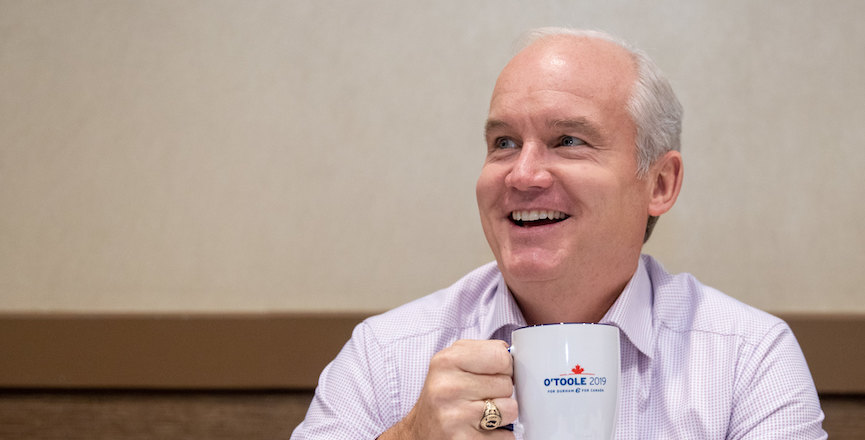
(276, 351)
(219, 415)
(169, 351)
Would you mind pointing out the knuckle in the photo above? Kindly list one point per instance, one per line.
(442, 359)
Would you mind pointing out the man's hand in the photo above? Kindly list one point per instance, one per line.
(451, 402)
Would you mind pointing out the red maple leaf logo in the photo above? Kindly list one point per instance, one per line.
(578, 369)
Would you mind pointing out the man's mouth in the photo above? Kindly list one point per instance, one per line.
(536, 217)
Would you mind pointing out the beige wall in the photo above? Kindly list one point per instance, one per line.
(321, 155)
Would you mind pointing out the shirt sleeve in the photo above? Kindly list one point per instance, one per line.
(346, 405)
(775, 396)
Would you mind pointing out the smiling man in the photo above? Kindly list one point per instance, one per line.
(582, 157)
(561, 144)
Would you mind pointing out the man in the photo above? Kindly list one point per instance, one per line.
(582, 157)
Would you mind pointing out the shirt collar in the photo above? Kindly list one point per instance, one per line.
(632, 311)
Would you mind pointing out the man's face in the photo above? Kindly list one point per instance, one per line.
(559, 193)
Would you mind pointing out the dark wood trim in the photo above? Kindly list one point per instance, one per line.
(266, 351)
(276, 351)
(833, 347)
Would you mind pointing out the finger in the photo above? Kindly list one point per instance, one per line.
(468, 387)
(491, 386)
(482, 386)
(507, 410)
(480, 357)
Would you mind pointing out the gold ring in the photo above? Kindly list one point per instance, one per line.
(492, 418)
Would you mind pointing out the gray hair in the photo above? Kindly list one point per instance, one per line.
(653, 106)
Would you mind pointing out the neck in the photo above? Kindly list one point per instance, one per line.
(579, 299)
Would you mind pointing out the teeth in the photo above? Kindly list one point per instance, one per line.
(534, 215)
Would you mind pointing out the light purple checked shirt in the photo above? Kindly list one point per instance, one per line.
(696, 364)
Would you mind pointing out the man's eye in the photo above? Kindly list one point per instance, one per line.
(571, 141)
(505, 144)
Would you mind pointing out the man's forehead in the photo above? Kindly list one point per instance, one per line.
(569, 63)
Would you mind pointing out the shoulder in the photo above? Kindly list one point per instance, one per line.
(747, 359)
(455, 307)
(683, 304)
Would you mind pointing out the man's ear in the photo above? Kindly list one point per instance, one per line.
(666, 175)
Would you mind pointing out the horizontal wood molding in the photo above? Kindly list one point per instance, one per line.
(833, 347)
(253, 351)
(277, 351)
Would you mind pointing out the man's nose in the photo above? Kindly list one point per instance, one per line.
(530, 170)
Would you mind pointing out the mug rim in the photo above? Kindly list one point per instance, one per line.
(565, 323)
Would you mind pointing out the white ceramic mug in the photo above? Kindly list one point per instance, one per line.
(567, 380)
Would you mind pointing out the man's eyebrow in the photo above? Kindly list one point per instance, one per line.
(493, 124)
(582, 125)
